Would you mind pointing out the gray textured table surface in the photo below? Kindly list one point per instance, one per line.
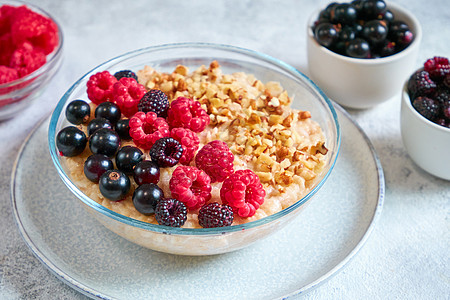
(407, 255)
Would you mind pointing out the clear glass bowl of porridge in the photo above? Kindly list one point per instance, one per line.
(306, 96)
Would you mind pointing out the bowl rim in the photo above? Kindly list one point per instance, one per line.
(191, 231)
(374, 61)
(50, 58)
(406, 100)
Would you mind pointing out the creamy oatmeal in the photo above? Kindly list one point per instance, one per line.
(283, 146)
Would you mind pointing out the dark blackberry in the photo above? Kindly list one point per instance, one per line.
(96, 124)
(170, 212)
(215, 215)
(127, 158)
(427, 107)
(71, 141)
(104, 141)
(420, 84)
(109, 111)
(114, 185)
(145, 198)
(166, 152)
(446, 81)
(438, 67)
(155, 101)
(78, 112)
(442, 96)
(326, 34)
(125, 73)
(123, 129)
(95, 165)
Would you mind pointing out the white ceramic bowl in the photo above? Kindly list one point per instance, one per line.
(203, 241)
(362, 83)
(427, 143)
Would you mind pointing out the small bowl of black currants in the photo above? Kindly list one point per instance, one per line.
(361, 52)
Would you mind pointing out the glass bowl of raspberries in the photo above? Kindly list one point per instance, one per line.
(425, 116)
(30, 54)
(361, 52)
(194, 148)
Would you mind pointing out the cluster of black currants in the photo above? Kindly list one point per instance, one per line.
(361, 29)
(105, 133)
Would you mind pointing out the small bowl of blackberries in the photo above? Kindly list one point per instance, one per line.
(425, 116)
(361, 52)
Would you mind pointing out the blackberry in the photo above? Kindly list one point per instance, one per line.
(127, 158)
(71, 141)
(114, 185)
(145, 198)
(166, 152)
(109, 111)
(125, 73)
(442, 96)
(170, 212)
(155, 101)
(420, 84)
(96, 124)
(215, 215)
(78, 112)
(427, 107)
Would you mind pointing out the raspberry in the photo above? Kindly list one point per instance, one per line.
(26, 59)
(187, 113)
(7, 74)
(125, 73)
(243, 192)
(170, 212)
(146, 129)
(215, 215)
(216, 159)
(100, 87)
(155, 101)
(437, 67)
(6, 49)
(126, 94)
(420, 84)
(427, 107)
(166, 152)
(188, 140)
(191, 186)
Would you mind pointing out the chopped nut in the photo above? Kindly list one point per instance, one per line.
(302, 115)
(182, 70)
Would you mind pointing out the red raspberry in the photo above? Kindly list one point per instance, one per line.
(437, 67)
(100, 87)
(187, 113)
(6, 49)
(126, 94)
(243, 192)
(215, 215)
(147, 128)
(188, 140)
(26, 25)
(26, 59)
(190, 186)
(7, 74)
(216, 159)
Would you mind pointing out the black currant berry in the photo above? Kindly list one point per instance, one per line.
(375, 32)
(104, 141)
(127, 158)
(358, 48)
(71, 141)
(114, 185)
(96, 124)
(326, 34)
(145, 198)
(123, 129)
(78, 112)
(344, 14)
(109, 111)
(95, 165)
(146, 172)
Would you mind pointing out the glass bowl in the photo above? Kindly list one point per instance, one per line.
(204, 241)
(17, 95)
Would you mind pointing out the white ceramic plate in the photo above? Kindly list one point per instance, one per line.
(296, 259)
